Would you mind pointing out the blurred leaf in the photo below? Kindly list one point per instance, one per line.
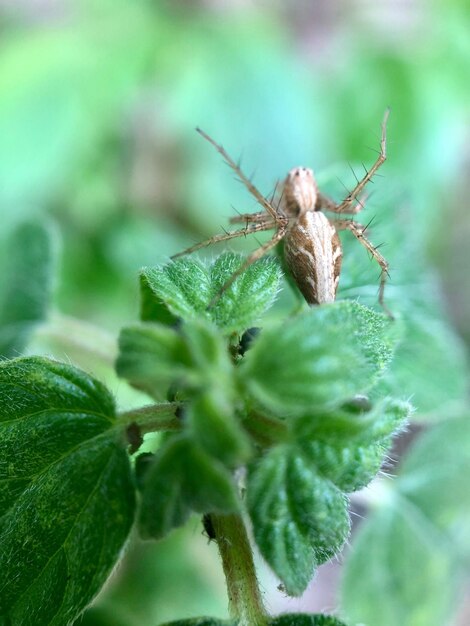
(101, 616)
(152, 356)
(154, 575)
(399, 571)
(299, 519)
(414, 295)
(183, 478)
(186, 288)
(433, 478)
(318, 359)
(26, 285)
(438, 390)
(55, 81)
(416, 543)
(67, 496)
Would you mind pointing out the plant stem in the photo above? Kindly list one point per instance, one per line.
(79, 334)
(153, 418)
(245, 601)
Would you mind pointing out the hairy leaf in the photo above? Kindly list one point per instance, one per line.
(66, 493)
(26, 285)
(251, 294)
(152, 309)
(300, 520)
(215, 427)
(350, 459)
(179, 289)
(319, 359)
(186, 288)
(183, 478)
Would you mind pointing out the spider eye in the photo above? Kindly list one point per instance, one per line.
(297, 172)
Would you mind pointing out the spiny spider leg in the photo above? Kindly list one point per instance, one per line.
(252, 258)
(251, 217)
(246, 181)
(327, 204)
(344, 206)
(254, 228)
(358, 231)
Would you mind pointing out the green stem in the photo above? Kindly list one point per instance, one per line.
(75, 333)
(266, 431)
(245, 601)
(153, 418)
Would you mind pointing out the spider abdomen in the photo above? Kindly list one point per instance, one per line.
(313, 255)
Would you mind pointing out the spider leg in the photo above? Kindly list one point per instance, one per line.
(262, 216)
(252, 258)
(358, 231)
(268, 207)
(327, 204)
(252, 228)
(344, 207)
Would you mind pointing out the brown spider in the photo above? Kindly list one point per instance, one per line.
(312, 248)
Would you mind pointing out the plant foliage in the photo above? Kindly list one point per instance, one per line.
(290, 406)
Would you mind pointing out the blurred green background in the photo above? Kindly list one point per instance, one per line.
(98, 104)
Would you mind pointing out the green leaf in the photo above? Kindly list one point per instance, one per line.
(249, 297)
(215, 427)
(400, 571)
(348, 448)
(434, 478)
(55, 105)
(208, 353)
(416, 543)
(319, 359)
(183, 478)
(66, 496)
(101, 616)
(299, 519)
(186, 288)
(153, 356)
(302, 619)
(26, 285)
(179, 289)
(437, 390)
(414, 294)
(152, 309)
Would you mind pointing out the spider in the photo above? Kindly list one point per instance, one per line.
(312, 247)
